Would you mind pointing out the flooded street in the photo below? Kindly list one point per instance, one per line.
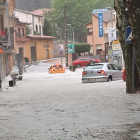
(61, 107)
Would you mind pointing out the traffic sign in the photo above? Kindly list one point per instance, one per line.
(71, 48)
(97, 11)
(128, 34)
(100, 22)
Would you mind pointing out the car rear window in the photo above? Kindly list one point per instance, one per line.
(95, 66)
(81, 59)
(57, 66)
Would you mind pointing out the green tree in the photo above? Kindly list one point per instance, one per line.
(47, 29)
(54, 29)
(128, 15)
(104, 3)
(78, 13)
(28, 30)
(82, 48)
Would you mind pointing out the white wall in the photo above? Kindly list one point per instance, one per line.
(23, 17)
(27, 17)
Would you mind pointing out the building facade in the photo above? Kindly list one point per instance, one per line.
(34, 46)
(102, 45)
(7, 40)
(36, 22)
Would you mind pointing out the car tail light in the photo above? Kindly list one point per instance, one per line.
(101, 71)
(84, 72)
(53, 69)
(63, 69)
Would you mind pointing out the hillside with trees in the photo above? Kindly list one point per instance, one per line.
(31, 5)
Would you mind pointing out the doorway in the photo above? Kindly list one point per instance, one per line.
(21, 54)
(47, 53)
(33, 58)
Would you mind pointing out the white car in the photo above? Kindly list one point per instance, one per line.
(101, 72)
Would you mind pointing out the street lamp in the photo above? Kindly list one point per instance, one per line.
(73, 36)
(109, 7)
(70, 32)
(60, 33)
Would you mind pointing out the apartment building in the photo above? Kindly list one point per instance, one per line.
(6, 37)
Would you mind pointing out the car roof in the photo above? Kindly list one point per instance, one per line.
(103, 63)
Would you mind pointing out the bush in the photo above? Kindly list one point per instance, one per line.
(26, 59)
(82, 48)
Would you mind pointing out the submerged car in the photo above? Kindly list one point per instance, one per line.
(56, 69)
(101, 72)
(84, 61)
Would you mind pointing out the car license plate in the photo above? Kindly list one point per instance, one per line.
(91, 79)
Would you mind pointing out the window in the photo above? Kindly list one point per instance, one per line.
(22, 31)
(116, 67)
(81, 59)
(57, 66)
(90, 31)
(98, 51)
(18, 32)
(110, 67)
(36, 28)
(95, 66)
(88, 59)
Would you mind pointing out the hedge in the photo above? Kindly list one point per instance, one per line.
(82, 48)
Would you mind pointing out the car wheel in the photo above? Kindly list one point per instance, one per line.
(109, 79)
(78, 65)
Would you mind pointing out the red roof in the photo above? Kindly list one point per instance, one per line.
(42, 37)
(40, 11)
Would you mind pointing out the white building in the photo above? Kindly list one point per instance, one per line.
(36, 21)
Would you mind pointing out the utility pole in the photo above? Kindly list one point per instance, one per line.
(66, 44)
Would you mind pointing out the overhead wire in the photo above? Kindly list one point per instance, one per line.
(43, 11)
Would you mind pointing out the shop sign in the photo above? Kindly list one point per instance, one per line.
(116, 46)
(117, 52)
(116, 41)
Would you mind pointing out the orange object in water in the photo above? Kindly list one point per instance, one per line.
(1, 50)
